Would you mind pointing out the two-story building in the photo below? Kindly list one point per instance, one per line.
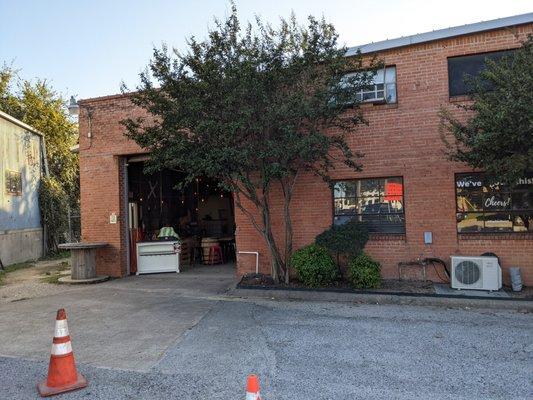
(417, 202)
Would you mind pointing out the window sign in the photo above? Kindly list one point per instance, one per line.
(495, 207)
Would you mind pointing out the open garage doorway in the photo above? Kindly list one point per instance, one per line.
(200, 216)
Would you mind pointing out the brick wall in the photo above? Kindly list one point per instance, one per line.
(400, 140)
(102, 178)
(404, 140)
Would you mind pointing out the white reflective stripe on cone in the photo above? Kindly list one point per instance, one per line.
(60, 349)
(252, 396)
(61, 328)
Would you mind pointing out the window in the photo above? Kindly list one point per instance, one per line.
(378, 202)
(13, 183)
(483, 207)
(462, 68)
(382, 88)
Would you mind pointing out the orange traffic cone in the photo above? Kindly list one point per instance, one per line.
(62, 373)
(252, 388)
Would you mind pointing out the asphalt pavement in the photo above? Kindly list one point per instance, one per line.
(319, 350)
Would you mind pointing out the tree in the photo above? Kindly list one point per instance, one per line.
(252, 108)
(498, 136)
(38, 105)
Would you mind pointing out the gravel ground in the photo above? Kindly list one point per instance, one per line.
(27, 283)
(307, 350)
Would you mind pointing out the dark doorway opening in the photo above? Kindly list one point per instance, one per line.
(200, 214)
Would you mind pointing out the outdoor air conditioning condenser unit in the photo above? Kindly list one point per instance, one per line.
(481, 273)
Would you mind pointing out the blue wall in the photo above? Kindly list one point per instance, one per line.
(20, 151)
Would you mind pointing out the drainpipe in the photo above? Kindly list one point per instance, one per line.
(256, 259)
(44, 158)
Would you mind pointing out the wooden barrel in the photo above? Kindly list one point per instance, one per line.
(206, 245)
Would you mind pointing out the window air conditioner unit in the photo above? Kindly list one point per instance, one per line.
(481, 273)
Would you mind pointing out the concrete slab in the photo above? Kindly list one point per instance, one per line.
(446, 289)
(126, 323)
(519, 304)
(69, 281)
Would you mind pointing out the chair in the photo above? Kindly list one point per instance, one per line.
(215, 255)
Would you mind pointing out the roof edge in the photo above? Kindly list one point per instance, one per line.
(105, 98)
(439, 34)
(18, 122)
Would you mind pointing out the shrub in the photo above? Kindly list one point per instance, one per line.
(314, 265)
(53, 204)
(347, 239)
(364, 272)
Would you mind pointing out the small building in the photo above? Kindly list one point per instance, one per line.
(418, 203)
(21, 162)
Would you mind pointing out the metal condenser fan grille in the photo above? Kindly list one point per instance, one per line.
(467, 272)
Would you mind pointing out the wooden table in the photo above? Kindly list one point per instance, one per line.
(83, 260)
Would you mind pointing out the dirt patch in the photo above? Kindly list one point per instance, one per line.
(33, 279)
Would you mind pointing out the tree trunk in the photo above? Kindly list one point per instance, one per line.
(278, 264)
(280, 268)
(287, 197)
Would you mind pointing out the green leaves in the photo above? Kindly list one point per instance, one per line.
(53, 205)
(349, 238)
(498, 136)
(251, 108)
(38, 105)
(256, 101)
(314, 266)
(364, 272)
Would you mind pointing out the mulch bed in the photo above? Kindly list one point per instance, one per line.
(388, 286)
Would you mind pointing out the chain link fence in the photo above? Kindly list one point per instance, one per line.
(74, 226)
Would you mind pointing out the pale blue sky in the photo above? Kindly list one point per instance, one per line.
(87, 47)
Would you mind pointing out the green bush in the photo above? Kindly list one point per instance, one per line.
(349, 238)
(314, 265)
(364, 272)
(344, 241)
(53, 203)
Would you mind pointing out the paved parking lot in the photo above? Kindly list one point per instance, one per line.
(301, 350)
(125, 323)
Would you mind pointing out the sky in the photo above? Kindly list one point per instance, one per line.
(86, 48)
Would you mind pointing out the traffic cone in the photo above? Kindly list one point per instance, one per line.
(252, 388)
(62, 373)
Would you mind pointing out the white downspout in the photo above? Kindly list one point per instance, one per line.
(256, 259)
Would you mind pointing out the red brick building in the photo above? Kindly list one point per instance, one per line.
(407, 187)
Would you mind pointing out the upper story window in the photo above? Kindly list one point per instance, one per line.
(484, 207)
(463, 68)
(382, 89)
(378, 202)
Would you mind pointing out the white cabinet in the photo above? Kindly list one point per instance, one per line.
(158, 257)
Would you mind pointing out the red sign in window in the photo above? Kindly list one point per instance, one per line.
(393, 191)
